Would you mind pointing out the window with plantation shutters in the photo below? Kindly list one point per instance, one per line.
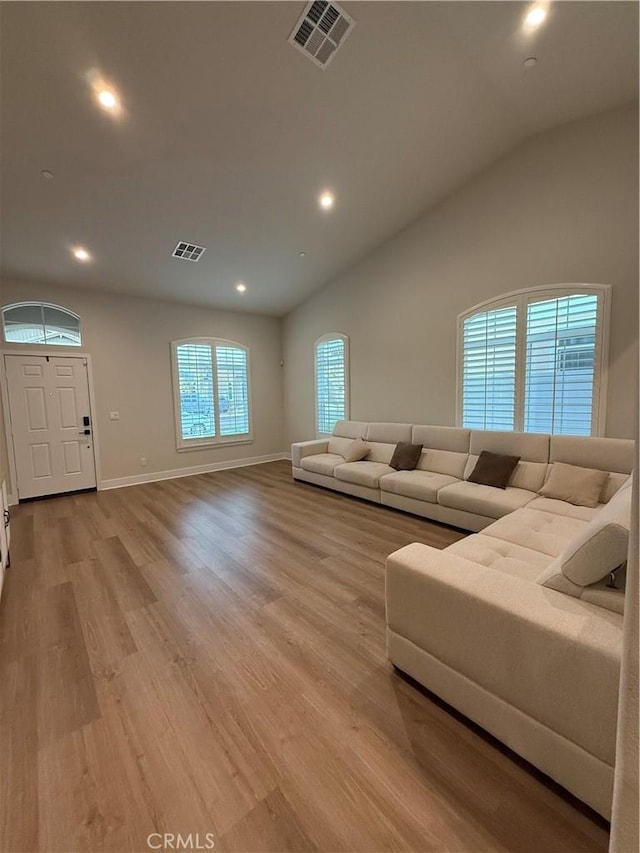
(534, 361)
(331, 381)
(561, 364)
(211, 392)
(489, 370)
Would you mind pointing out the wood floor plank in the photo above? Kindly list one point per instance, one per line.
(66, 698)
(271, 825)
(128, 584)
(106, 634)
(207, 655)
(19, 799)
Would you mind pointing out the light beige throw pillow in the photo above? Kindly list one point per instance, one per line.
(357, 451)
(578, 486)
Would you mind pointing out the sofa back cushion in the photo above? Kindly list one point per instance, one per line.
(529, 446)
(383, 437)
(446, 449)
(350, 429)
(443, 462)
(388, 433)
(454, 439)
(613, 483)
(340, 445)
(605, 454)
(380, 451)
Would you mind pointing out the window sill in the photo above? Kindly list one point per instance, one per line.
(209, 445)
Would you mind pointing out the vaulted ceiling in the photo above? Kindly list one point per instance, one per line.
(227, 134)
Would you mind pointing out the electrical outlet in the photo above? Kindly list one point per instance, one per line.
(114, 416)
(143, 461)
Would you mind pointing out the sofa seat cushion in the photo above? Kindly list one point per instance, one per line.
(321, 463)
(484, 500)
(502, 556)
(363, 473)
(583, 513)
(421, 485)
(541, 531)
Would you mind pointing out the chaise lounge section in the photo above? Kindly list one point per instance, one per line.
(518, 626)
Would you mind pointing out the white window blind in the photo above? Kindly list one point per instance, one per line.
(195, 374)
(535, 361)
(211, 379)
(560, 364)
(331, 382)
(489, 369)
(233, 390)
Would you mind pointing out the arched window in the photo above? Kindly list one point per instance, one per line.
(331, 381)
(41, 323)
(211, 392)
(535, 361)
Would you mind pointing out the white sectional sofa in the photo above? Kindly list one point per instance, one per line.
(517, 626)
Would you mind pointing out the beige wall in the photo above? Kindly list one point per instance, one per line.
(128, 340)
(561, 208)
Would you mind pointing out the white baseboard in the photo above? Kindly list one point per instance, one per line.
(12, 500)
(155, 476)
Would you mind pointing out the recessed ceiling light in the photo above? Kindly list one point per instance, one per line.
(302, 254)
(47, 174)
(326, 200)
(107, 99)
(241, 287)
(105, 93)
(80, 254)
(535, 16)
(530, 62)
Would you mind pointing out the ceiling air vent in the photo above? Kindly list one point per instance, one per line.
(188, 252)
(320, 31)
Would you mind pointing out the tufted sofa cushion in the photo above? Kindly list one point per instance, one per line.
(541, 531)
(501, 555)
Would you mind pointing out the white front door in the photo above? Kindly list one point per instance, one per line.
(51, 424)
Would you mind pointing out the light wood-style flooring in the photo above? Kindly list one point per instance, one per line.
(206, 655)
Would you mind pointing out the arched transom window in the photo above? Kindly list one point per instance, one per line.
(41, 323)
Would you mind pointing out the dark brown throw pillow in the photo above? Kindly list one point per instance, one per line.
(493, 469)
(405, 456)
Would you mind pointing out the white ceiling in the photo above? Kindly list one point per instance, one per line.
(229, 133)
